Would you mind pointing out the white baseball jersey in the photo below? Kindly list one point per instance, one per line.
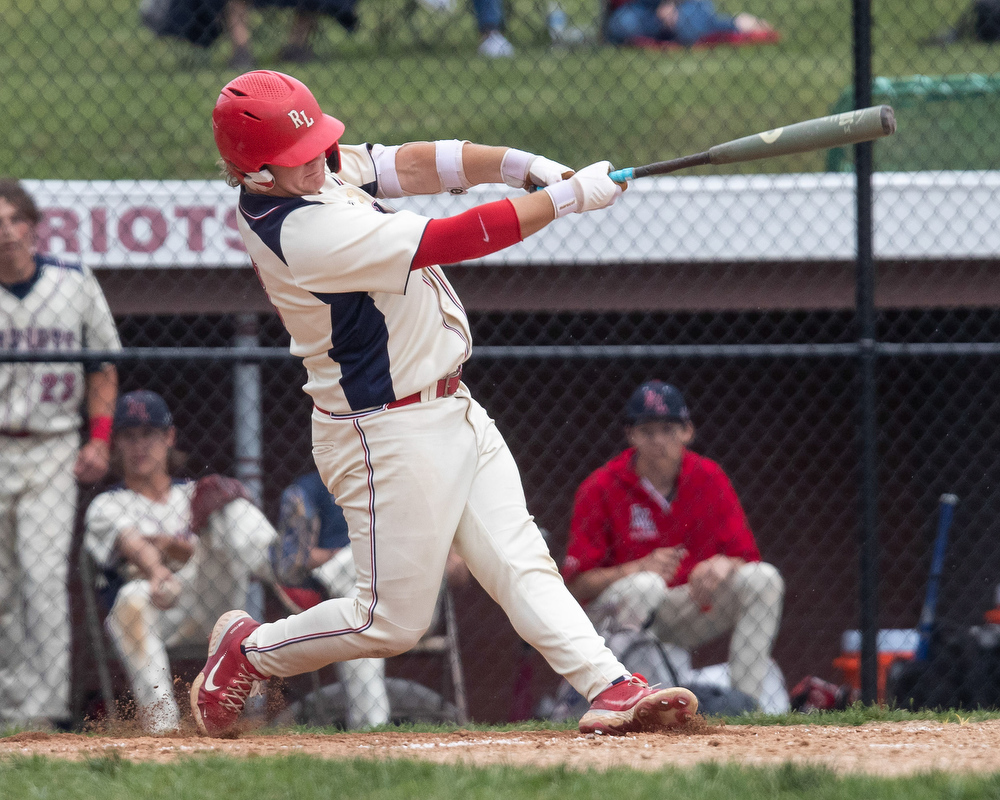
(120, 509)
(61, 308)
(336, 266)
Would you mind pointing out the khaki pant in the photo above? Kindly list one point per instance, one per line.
(748, 603)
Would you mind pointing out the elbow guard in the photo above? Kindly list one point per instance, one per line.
(450, 168)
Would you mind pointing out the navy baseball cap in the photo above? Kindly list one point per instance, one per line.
(141, 408)
(656, 400)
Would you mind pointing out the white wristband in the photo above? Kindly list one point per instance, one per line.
(514, 167)
(448, 160)
(564, 198)
(385, 171)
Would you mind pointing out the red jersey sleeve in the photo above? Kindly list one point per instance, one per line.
(589, 533)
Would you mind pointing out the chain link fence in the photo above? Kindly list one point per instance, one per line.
(738, 285)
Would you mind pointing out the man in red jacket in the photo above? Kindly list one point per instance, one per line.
(659, 539)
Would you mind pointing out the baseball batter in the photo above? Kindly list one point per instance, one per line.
(413, 460)
(45, 305)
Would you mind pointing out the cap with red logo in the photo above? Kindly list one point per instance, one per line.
(141, 408)
(656, 400)
(267, 117)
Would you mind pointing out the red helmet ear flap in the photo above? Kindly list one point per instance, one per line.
(333, 158)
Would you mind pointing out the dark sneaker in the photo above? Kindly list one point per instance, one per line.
(632, 706)
(220, 691)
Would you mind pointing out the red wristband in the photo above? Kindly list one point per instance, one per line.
(100, 428)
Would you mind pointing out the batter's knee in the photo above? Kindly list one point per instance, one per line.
(391, 639)
(407, 640)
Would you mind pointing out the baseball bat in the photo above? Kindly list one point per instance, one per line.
(837, 130)
(946, 511)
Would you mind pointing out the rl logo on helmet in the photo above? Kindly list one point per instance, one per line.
(300, 118)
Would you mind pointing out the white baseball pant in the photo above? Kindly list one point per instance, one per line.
(411, 481)
(37, 509)
(363, 678)
(214, 580)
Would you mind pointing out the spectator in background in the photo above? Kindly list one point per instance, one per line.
(315, 551)
(490, 19)
(686, 22)
(298, 48)
(177, 553)
(658, 539)
(201, 22)
(45, 305)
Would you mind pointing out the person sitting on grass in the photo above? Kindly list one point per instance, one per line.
(688, 22)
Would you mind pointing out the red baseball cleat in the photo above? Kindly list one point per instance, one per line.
(220, 691)
(633, 707)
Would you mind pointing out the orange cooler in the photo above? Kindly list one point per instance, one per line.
(892, 643)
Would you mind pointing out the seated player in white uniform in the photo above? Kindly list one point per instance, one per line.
(179, 553)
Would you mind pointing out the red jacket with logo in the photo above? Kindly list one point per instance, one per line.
(616, 520)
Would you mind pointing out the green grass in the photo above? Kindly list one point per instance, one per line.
(89, 93)
(304, 778)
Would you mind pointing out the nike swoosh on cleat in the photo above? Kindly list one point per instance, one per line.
(486, 236)
(210, 680)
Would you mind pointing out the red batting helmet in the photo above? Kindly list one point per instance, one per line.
(265, 117)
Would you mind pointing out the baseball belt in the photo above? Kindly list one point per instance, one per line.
(445, 387)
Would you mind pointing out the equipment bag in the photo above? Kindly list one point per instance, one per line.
(961, 672)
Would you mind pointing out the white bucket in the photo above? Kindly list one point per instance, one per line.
(888, 640)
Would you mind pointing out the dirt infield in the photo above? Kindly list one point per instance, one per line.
(877, 748)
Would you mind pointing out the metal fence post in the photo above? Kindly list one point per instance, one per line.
(866, 332)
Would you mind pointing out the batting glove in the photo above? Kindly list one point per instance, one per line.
(522, 170)
(589, 189)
